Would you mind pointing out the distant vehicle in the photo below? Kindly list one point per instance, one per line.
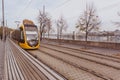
(27, 35)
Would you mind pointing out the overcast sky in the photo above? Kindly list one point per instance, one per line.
(17, 10)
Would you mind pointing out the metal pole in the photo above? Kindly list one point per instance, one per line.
(73, 36)
(3, 13)
(43, 9)
(17, 23)
(3, 21)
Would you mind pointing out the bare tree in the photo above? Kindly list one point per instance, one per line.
(49, 26)
(45, 22)
(88, 21)
(61, 26)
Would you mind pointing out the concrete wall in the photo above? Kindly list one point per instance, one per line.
(91, 43)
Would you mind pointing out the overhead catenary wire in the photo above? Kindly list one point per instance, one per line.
(60, 5)
(109, 6)
(25, 9)
(102, 9)
(66, 2)
(63, 3)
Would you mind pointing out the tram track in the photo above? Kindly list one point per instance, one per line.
(22, 66)
(95, 54)
(69, 63)
(62, 55)
(82, 68)
(87, 56)
(65, 68)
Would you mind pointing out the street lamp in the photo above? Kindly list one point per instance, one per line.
(3, 18)
(3, 21)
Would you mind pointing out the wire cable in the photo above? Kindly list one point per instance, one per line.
(109, 6)
(65, 2)
(24, 10)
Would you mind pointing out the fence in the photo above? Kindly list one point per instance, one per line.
(96, 38)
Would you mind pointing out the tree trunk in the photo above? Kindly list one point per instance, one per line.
(40, 36)
(86, 36)
(48, 34)
(60, 38)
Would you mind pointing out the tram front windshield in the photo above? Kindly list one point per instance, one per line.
(31, 32)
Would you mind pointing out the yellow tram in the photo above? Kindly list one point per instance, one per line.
(27, 35)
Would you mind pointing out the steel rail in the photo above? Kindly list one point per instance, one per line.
(80, 67)
(109, 57)
(91, 58)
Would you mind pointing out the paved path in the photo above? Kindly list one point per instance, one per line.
(2, 51)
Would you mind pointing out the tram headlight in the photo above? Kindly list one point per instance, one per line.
(32, 42)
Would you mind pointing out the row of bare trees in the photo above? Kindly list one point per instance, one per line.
(87, 22)
(46, 24)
